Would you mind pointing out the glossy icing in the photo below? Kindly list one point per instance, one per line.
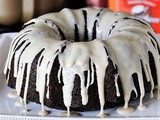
(19, 103)
(80, 37)
(12, 94)
(70, 114)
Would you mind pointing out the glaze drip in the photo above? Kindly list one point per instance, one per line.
(120, 37)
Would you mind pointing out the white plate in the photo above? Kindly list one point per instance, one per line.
(9, 111)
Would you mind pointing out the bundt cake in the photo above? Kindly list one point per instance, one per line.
(85, 59)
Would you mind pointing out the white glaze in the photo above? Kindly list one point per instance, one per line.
(123, 110)
(25, 111)
(127, 43)
(19, 103)
(102, 115)
(142, 107)
(43, 113)
(70, 114)
(12, 94)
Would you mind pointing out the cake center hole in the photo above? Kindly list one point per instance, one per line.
(83, 35)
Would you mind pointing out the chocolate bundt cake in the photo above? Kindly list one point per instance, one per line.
(85, 59)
